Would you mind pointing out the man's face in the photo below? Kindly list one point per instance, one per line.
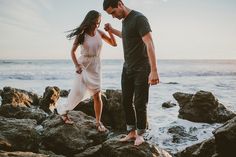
(116, 12)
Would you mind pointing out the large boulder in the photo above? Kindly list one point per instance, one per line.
(26, 154)
(225, 138)
(19, 112)
(18, 97)
(202, 107)
(203, 149)
(49, 99)
(114, 148)
(18, 135)
(113, 113)
(222, 144)
(69, 139)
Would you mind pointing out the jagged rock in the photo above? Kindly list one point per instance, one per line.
(203, 149)
(202, 107)
(14, 111)
(64, 93)
(113, 112)
(18, 97)
(18, 135)
(49, 99)
(180, 135)
(114, 148)
(69, 139)
(225, 138)
(222, 144)
(168, 104)
(90, 152)
(21, 154)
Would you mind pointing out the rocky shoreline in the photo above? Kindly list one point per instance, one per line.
(30, 127)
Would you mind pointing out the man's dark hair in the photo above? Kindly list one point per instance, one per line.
(110, 3)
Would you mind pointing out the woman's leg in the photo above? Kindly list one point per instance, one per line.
(98, 105)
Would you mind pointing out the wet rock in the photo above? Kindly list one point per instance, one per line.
(180, 135)
(203, 149)
(21, 154)
(168, 104)
(225, 138)
(222, 144)
(114, 148)
(18, 135)
(90, 152)
(27, 154)
(10, 111)
(18, 97)
(69, 139)
(49, 99)
(202, 107)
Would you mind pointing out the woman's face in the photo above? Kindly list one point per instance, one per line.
(97, 22)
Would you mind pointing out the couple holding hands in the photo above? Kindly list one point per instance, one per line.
(139, 68)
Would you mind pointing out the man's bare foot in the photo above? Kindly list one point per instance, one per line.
(139, 140)
(130, 136)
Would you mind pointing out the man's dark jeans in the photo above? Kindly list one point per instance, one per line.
(135, 89)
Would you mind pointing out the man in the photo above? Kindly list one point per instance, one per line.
(139, 69)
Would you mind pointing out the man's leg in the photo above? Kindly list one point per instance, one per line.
(141, 91)
(127, 83)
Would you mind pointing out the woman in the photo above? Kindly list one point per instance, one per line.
(87, 66)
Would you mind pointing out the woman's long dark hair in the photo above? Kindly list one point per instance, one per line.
(85, 26)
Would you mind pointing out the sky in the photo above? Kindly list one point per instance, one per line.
(181, 29)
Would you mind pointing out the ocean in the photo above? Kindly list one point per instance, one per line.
(189, 76)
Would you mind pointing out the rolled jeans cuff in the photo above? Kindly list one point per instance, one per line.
(130, 128)
(141, 131)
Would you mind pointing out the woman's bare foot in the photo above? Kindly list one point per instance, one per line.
(66, 119)
(130, 136)
(101, 127)
(139, 140)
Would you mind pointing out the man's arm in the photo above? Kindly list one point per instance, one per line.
(153, 76)
(109, 28)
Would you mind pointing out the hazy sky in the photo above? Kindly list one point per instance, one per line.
(182, 29)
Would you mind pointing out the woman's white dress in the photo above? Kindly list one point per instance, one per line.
(89, 81)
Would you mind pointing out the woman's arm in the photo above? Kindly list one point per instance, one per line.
(110, 40)
(78, 66)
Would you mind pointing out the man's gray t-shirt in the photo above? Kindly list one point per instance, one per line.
(134, 27)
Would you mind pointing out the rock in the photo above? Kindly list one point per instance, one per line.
(69, 139)
(27, 154)
(21, 154)
(222, 144)
(10, 111)
(114, 148)
(49, 99)
(113, 113)
(202, 107)
(18, 97)
(18, 135)
(225, 138)
(180, 135)
(168, 104)
(203, 149)
(90, 152)
(64, 93)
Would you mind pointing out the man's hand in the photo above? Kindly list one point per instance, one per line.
(107, 27)
(153, 78)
